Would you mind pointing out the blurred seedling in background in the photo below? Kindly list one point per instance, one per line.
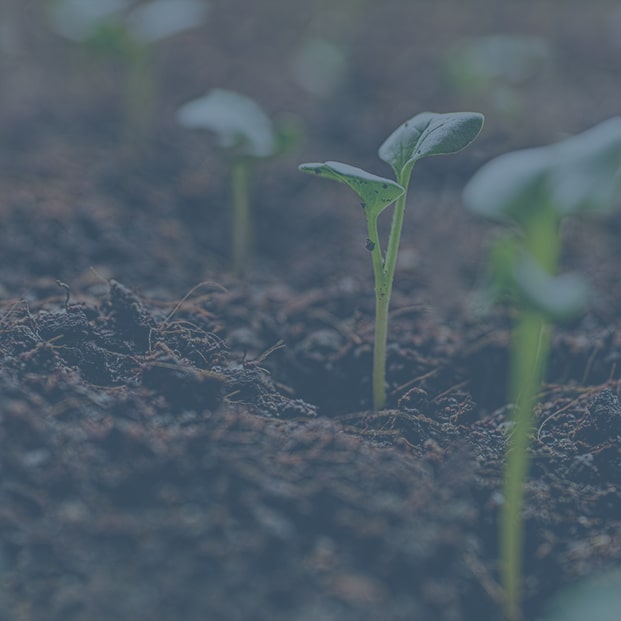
(424, 135)
(319, 66)
(245, 134)
(534, 190)
(494, 68)
(120, 30)
(320, 62)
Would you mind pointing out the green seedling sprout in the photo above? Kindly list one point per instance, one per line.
(117, 30)
(423, 135)
(495, 67)
(536, 189)
(78, 20)
(319, 66)
(146, 25)
(245, 134)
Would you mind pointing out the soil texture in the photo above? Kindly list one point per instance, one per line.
(178, 444)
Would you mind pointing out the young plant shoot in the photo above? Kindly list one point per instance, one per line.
(119, 30)
(535, 189)
(423, 135)
(245, 134)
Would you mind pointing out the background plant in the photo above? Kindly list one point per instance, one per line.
(535, 189)
(245, 134)
(493, 69)
(119, 29)
(423, 135)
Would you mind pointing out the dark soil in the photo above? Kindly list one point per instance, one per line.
(176, 444)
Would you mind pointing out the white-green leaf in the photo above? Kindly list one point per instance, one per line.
(238, 121)
(586, 174)
(510, 185)
(581, 173)
(559, 297)
(376, 193)
(428, 134)
(78, 20)
(160, 19)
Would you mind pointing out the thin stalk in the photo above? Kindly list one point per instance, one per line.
(529, 356)
(531, 338)
(392, 249)
(382, 300)
(384, 277)
(241, 225)
(139, 95)
(379, 352)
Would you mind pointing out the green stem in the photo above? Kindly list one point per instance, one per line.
(531, 339)
(241, 226)
(139, 96)
(393, 241)
(379, 352)
(382, 300)
(384, 278)
(529, 355)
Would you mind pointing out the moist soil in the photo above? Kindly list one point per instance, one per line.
(176, 443)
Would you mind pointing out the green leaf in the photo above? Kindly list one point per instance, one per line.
(581, 173)
(428, 134)
(587, 171)
(559, 297)
(160, 19)
(288, 134)
(239, 122)
(78, 20)
(510, 186)
(376, 193)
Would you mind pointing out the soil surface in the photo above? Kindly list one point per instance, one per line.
(179, 444)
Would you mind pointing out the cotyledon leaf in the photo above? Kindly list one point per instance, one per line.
(429, 133)
(238, 122)
(581, 173)
(586, 175)
(559, 297)
(511, 185)
(376, 193)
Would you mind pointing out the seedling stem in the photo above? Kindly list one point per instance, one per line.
(384, 275)
(241, 234)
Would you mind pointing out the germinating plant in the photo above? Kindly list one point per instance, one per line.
(423, 135)
(495, 68)
(122, 30)
(245, 135)
(534, 190)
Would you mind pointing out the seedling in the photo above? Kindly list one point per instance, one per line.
(423, 135)
(495, 67)
(536, 189)
(115, 29)
(245, 134)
